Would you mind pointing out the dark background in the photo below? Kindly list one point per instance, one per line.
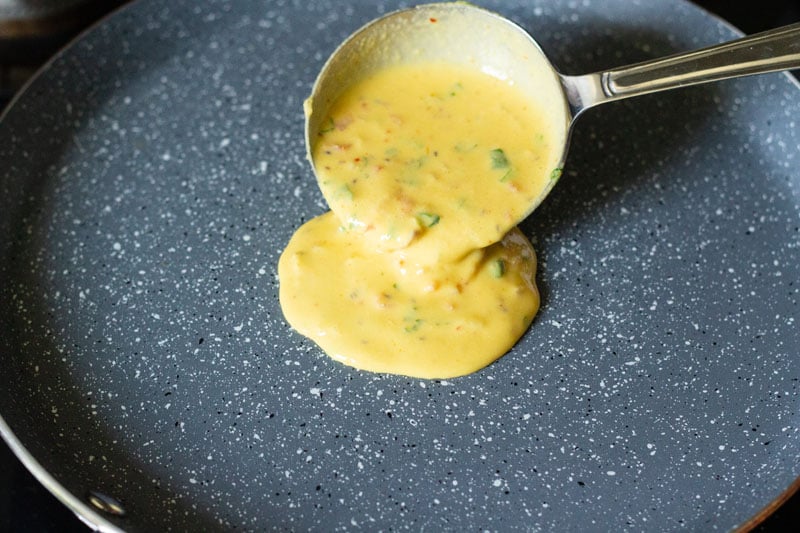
(27, 506)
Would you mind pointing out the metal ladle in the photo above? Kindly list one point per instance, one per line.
(468, 35)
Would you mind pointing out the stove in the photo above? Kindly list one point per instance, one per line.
(31, 31)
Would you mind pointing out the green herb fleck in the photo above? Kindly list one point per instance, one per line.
(327, 127)
(418, 162)
(343, 193)
(497, 268)
(413, 325)
(499, 159)
(556, 173)
(428, 219)
(456, 88)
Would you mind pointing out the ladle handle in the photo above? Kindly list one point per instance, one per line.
(769, 51)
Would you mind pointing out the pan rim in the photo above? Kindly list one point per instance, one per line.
(81, 510)
(98, 522)
(86, 514)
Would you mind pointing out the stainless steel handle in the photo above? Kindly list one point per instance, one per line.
(770, 51)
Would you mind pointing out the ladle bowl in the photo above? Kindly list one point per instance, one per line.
(468, 35)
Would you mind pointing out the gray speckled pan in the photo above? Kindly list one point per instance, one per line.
(151, 175)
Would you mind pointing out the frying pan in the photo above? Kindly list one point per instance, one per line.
(151, 175)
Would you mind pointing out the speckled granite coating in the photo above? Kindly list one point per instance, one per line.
(151, 176)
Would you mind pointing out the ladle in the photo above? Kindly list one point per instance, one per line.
(466, 34)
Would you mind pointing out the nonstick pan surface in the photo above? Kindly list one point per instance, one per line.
(151, 175)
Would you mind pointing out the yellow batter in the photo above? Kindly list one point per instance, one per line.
(437, 149)
(419, 270)
(378, 312)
